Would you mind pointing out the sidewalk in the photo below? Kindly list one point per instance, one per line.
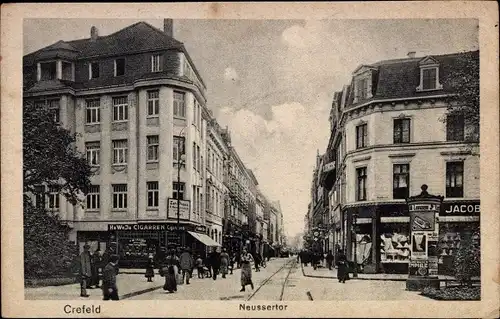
(308, 271)
(128, 285)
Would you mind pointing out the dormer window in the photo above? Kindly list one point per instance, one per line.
(93, 70)
(362, 89)
(429, 75)
(48, 70)
(119, 67)
(156, 63)
(55, 70)
(363, 83)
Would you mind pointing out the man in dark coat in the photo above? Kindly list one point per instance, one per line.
(214, 260)
(109, 288)
(343, 270)
(329, 260)
(85, 270)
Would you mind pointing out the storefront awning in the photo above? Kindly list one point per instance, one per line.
(204, 239)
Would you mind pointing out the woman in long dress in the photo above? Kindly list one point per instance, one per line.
(246, 269)
(224, 262)
(169, 269)
(342, 270)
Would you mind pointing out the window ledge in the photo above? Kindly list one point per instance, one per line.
(420, 89)
(152, 209)
(152, 162)
(92, 124)
(119, 210)
(179, 117)
(152, 116)
(92, 210)
(120, 121)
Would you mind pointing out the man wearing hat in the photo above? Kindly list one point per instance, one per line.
(85, 270)
(109, 288)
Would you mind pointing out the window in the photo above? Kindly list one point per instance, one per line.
(156, 63)
(194, 156)
(53, 198)
(93, 70)
(194, 199)
(361, 184)
(120, 196)
(39, 196)
(119, 67)
(429, 77)
(362, 89)
(153, 143)
(401, 181)
(93, 152)
(49, 70)
(455, 127)
(361, 135)
(401, 131)
(153, 194)
(178, 188)
(93, 201)
(178, 143)
(120, 152)
(153, 103)
(120, 109)
(92, 111)
(454, 179)
(179, 104)
(198, 160)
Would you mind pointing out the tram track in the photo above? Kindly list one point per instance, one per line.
(288, 266)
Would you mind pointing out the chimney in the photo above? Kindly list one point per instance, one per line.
(94, 34)
(411, 54)
(168, 27)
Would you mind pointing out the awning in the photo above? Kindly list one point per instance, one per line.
(204, 239)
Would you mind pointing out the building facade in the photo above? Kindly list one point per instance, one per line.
(391, 133)
(138, 111)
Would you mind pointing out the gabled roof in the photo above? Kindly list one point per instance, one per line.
(399, 78)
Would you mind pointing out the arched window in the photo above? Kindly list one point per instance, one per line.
(220, 237)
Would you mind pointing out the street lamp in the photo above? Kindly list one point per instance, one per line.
(355, 225)
(181, 159)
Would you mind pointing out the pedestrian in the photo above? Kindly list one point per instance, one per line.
(329, 260)
(168, 270)
(187, 265)
(109, 288)
(224, 263)
(342, 271)
(85, 270)
(257, 260)
(199, 267)
(150, 268)
(214, 258)
(95, 261)
(246, 269)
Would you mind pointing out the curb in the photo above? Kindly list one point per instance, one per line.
(351, 278)
(140, 292)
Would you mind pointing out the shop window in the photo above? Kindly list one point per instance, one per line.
(120, 152)
(401, 131)
(455, 127)
(153, 144)
(120, 196)
(120, 109)
(153, 103)
(401, 181)
(93, 198)
(178, 190)
(119, 67)
(92, 111)
(53, 197)
(395, 243)
(361, 184)
(153, 194)
(93, 150)
(179, 104)
(361, 135)
(454, 179)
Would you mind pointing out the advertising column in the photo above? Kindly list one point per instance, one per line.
(424, 234)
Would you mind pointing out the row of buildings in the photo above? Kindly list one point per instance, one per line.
(164, 172)
(390, 134)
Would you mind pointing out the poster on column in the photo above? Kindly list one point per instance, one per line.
(419, 245)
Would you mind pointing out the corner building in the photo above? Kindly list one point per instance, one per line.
(388, 138)
(138, 104)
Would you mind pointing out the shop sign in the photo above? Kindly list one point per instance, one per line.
(132, 227)
(183, 207)
(462, 209)
(200, 229)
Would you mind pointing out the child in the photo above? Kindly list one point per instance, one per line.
(150, 272)
(199, 266)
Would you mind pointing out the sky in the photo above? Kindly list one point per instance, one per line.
(272, 81)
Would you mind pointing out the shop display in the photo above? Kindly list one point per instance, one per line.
(449, 243)
(395, 248)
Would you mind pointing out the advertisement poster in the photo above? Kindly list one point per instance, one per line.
(433, 266)
(184, 209)
(423, 221)
(418, 268)
(419, 245)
